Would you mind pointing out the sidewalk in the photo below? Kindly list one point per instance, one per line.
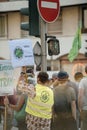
(1, 127)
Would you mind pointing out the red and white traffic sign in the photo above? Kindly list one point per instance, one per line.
(48, 9)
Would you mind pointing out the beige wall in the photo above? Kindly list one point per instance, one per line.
(4, 49)
(14, 25)
(69, 23)
(70, 20)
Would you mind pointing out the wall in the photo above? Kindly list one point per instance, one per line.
(70, 20)
(14, 31)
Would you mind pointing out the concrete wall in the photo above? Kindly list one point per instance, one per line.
(4, 49)
(70, 20)
(13, 6)
(72, 2)
(14, 22)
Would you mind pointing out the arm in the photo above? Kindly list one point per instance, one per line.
(19, 105)
(73, 103)
(73, 108)
(15, 107)
(80, 98)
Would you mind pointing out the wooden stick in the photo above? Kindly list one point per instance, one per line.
(5, 119)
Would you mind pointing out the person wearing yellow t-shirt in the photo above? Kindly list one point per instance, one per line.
(39, 107)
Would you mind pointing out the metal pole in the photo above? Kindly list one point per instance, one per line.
(43, 46)
(51, 63)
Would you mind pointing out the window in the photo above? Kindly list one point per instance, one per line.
(3, 30)
(84, 19)
(24, 19)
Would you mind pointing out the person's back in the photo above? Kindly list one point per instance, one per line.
(83, 84)
(64, 116)
(77, 77)
(62, 99)
(39, 108)
(82, 101)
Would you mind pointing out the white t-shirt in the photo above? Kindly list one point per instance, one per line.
(83, 85)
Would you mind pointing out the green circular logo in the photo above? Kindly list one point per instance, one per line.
(44, 96)
(18, 52)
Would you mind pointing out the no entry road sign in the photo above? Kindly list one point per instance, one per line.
(48, 9)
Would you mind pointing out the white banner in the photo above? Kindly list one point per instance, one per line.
(6, 78)
(21, 52)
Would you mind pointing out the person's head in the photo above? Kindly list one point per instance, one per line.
(23, 76)
(42, 77)
(63, 76)
(78, 76)
(86, 69)
(54, 76)
(24, 69)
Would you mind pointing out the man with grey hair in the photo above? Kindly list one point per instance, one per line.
(54, 76)
(54, 80)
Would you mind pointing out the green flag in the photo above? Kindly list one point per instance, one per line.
(76, 46)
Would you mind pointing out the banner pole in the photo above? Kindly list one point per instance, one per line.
(5, 119)
(5, 114)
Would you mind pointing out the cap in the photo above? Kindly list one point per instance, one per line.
(54, 75)
(62, 75)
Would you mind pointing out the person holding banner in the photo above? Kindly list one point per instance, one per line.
(21, 86)
(21, 125)
(39, 104)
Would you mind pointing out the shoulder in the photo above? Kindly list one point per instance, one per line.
(83, 82)
(84, 79)
(55, 89)
(71, 89)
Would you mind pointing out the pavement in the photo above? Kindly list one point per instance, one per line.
(13, 128)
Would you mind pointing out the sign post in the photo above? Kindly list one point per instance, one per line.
(49, 12)
(43, 46)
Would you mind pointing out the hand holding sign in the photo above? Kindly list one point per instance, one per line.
(6, 101)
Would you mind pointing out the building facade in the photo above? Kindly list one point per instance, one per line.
(72, 13)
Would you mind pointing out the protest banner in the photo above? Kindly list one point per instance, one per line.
(7, 78)
(21, 52)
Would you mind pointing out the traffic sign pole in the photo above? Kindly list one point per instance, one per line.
(43, 45)
(49, 12)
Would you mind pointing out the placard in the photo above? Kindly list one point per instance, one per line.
(21, 52)
(6, 78)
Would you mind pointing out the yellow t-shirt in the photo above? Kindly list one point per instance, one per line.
(41, 105)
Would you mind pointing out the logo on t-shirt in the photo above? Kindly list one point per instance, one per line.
(44, 96)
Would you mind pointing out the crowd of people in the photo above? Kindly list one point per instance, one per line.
(52, 104)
